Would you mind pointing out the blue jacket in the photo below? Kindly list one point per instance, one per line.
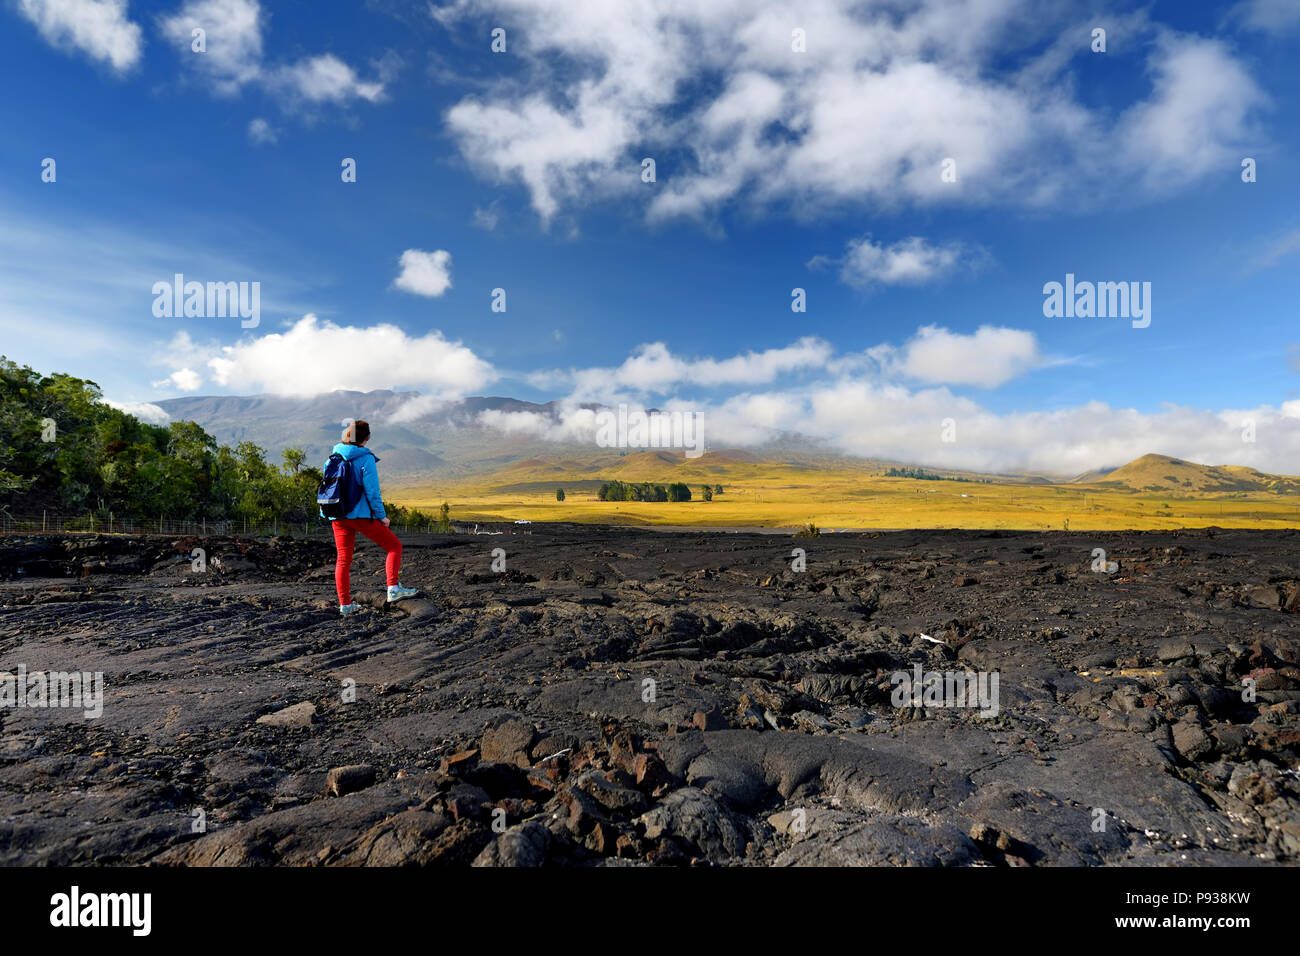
(363, 463)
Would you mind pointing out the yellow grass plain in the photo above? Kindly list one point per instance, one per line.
(768, 496)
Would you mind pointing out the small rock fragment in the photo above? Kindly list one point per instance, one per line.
(349, 779)
(298, 715)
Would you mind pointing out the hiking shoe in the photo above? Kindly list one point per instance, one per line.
(346, 609)
(398, 593)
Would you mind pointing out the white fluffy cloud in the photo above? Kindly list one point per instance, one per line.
(425, 273)
(888, 402)
(653, 368)
(991, 357)
(145, 411)
(99, 28)
(885, 92)
(314, 357)
(892, 402)
(232, 38)
(1199, 110)
(234, 57)
(326, 79)
(415, 407)
(892, 422)
(183, 380)
(911, 261)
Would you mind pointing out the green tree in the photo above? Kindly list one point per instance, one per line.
(63, 449)
(559, 494)
(293, 459)
(442, 524)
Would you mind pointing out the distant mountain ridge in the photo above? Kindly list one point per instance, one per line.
(413, 434)
(416, 436)
(420, 438)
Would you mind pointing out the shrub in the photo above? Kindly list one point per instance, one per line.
(442, 524)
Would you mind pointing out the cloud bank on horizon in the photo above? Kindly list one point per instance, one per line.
(890, 401)
(760, 115)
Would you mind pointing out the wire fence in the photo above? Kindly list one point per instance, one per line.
(49, 523)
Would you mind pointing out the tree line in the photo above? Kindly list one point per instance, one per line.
(63, 450)
(923, 475)
(648, 491)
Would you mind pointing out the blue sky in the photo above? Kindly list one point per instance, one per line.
(776, 168)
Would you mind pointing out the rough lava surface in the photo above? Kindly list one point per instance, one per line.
(625, 697)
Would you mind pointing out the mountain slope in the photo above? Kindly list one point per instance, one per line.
(414, 435)
(419, 438)
(1165, 474)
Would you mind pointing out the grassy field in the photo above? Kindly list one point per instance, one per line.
(768, 496)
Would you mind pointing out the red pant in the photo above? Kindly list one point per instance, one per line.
(345, 539)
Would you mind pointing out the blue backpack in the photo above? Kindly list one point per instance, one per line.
(340, 489)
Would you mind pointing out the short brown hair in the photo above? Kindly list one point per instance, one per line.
(356, 433)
